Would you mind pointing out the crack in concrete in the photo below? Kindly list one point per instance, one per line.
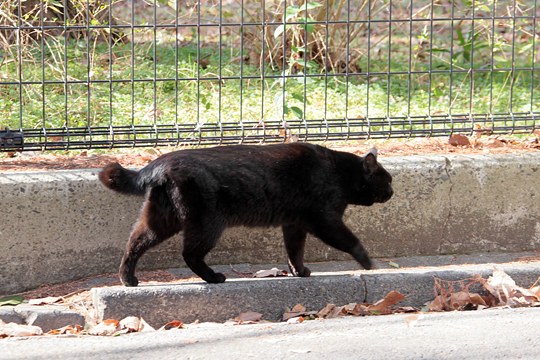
(364, 285)
(447, 168)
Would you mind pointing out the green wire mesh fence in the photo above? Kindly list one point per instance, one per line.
(100, 74)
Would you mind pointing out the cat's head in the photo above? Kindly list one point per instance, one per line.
(375, 184)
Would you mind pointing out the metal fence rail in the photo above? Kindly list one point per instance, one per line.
(107, 73)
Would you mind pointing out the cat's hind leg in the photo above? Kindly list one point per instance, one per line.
(199, 238)
(294, 237)
(158, 221)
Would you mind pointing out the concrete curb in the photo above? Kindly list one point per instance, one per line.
(332, 282)
(64, 225)
(219, 302)
(46, 317)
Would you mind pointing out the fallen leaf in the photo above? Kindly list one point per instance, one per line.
(355, 309)
(526, 296)
(17, 330)
(437, 304)
(249, 317)
(406, 309)
(459, 140)
(67, 330)
(500, 285)
(382, 306)
(134, 324)
(461, 299)
(175, 324)
(274, 272)
(45, 300)
(494, 143)
(330, 311)
(296, 311)
(393, 264)
(536, 291)
(295, 320)
(106, 327)
(11, 300)
(326, 310)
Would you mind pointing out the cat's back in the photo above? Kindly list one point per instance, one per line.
(239, 156)
(243, 165)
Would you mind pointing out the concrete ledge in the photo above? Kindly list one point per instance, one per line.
(219, 302)
(64, 225)
(46, 317)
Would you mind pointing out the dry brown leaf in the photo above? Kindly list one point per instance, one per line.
(459, 300)
(325, 311)
(536, 291)
(355, 309)
(406, 309)
(459, 140)
(501, 285)
(175, 324)
(526, 297)
(274, 272)
(437, 304)
(18, 330)
(297, 311)
(383, 306)
(45, 300)
(476, 299)
(296, 320)
(494, 143)
(67, 330)
(330, 311)
(106, 327)
(502, 291)
(292, 314)
(134, 324)
(249, 317)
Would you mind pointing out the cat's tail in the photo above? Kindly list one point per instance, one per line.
(122, 180)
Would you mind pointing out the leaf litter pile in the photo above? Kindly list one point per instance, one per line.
(475, 293)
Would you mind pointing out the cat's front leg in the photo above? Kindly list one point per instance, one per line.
(127, 272)
(294, 237)
(334, 232)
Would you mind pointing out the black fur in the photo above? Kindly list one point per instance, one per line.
(302, 187)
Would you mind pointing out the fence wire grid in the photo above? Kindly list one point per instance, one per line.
(83, 74)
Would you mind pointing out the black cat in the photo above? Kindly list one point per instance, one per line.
(303, 188)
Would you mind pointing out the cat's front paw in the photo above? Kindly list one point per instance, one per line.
(129, 281)
(305, 272)
(216, 278)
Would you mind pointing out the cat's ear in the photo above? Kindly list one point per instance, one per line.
(370, 161)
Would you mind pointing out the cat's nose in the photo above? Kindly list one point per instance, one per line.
(388, 195)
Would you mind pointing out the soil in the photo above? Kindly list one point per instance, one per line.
(457, 144)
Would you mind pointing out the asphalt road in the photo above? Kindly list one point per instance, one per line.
(488, 334)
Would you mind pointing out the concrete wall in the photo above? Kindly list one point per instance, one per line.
(64, 225)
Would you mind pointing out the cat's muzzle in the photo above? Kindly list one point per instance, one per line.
(387, 196)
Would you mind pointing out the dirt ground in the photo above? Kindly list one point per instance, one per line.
(457, 144)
